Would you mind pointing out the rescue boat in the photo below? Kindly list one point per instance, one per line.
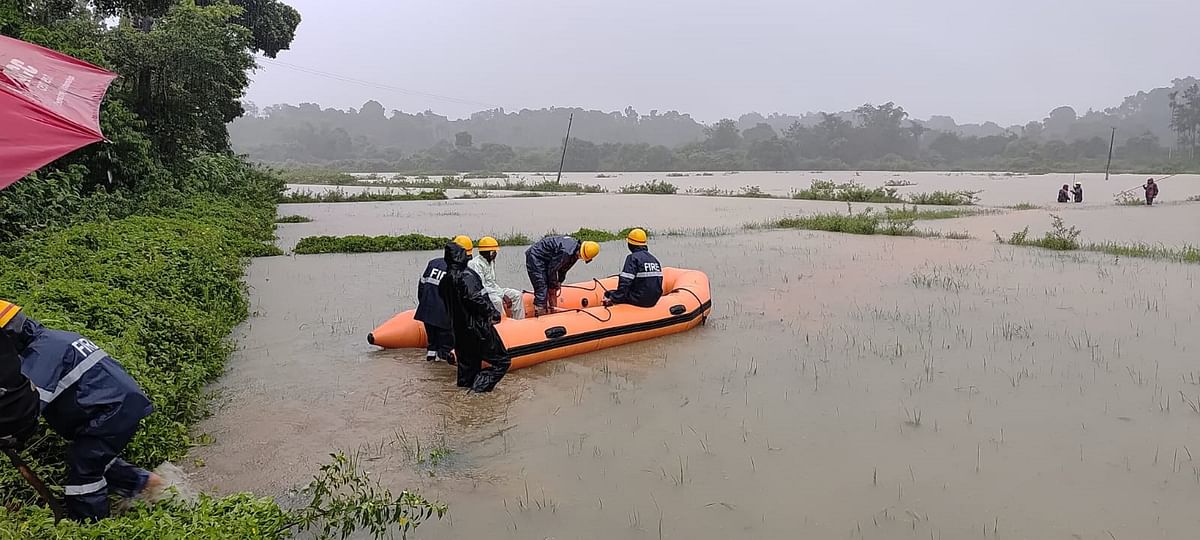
(581, 324)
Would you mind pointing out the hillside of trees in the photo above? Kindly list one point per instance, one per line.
(1155, 130)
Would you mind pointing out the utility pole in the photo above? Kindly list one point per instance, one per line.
(1112, 140)
(570, 120)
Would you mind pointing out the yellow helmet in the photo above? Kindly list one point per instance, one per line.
(464, 241)
(8, 311)
(488, 243)
(636, 237)
(588, 251)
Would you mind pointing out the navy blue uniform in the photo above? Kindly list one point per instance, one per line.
(474, 317)
(90, 400)
(641, 280)
(547, 262)
(431, 310)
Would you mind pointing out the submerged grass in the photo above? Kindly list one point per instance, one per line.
(827, 190)
(339, 196)
(1065, 238)
(293, 219)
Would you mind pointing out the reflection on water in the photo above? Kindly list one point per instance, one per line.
(845, 387)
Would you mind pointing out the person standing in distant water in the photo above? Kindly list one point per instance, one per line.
(1078, 192)
(1064, 194)
(1151, 191)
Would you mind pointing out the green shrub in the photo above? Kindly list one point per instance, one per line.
(293, 219)
(945, 198)
(368, 244)
(1060, 237)
(826, 190)
(866, 222)
(651, 187)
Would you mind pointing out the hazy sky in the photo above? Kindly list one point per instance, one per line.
(1010, 61)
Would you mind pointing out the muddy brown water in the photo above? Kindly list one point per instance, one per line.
(995, 189)
(845, 387)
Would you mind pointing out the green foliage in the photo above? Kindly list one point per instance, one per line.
(651, 187)
(826, 190)
(915, 213)
(339, 196)
(945, 198)
(865, 222)
(310, 245)
(185, 76)
(321, 176)
(368, 244)
(159, 293)
(1024, 206)
(1060, 237)
(293, 219)
(1189, 254)
(40, 201)
(235, 516)
(342, 499)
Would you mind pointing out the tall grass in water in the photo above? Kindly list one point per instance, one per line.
(827, 190)
(651, 187)
(865, 222)
(338, 196)
(945, 198)
(1059, 238)
(1064, 238)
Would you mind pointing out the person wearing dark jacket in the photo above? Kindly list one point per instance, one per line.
(431, 308)
(641, 279)
(473, 317)
(548, 262)
(1064, 194)
(1151, 191)
(1077, 191)
(87, 398)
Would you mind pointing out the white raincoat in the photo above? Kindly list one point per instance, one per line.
(498, 294)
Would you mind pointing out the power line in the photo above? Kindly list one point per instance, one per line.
(376, 85)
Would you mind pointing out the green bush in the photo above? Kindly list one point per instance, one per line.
(368, 244)
(651, 187)
(293, 219)
(866, 222)
(827, 190)
(945, 198)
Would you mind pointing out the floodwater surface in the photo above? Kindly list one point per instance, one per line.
(844, 386)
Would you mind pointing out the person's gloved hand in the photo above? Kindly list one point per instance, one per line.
(495, 318)
(607, 302)
(19, 411)
(552, 298)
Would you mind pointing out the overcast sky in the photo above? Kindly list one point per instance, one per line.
(1010, 61)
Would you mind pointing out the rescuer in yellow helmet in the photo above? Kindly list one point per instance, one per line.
(484, 264)
(548, 262)
(641, 279)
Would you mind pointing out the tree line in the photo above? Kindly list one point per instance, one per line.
(1151, 129)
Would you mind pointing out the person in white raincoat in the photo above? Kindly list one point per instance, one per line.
(485, 265)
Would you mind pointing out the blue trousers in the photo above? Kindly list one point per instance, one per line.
(94, 470)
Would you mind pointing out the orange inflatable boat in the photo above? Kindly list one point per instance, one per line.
(581, 324)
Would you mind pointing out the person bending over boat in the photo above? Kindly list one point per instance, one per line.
(473, 317)
(641, 279)
(484, 264)
(548, 262)
(431, 309)
(87, 398)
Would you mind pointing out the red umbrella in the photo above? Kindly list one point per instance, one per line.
(49, 106)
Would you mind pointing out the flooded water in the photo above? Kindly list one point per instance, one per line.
(844, 387)
(996, 189)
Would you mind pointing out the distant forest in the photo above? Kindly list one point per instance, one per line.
(1156, 131)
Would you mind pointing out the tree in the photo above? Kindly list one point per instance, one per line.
(722, 136)
(184, 77)
(760, 132)
(462, 139)
(271, 23)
